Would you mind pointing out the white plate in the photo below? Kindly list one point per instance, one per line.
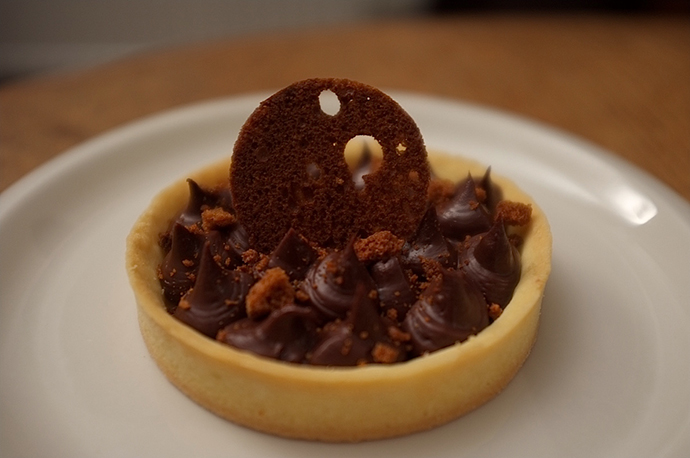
(609, 375)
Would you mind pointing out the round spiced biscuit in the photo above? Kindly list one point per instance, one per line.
(338, 404)
(289, 170)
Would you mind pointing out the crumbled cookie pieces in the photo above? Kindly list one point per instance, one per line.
(273, 291)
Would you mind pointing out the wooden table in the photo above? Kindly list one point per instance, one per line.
(620, 82)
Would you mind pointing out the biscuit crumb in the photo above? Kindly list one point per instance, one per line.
(481, 194)
(513, 213)
(301, 296)
(222, 334)
(271, 292)
(254, 262)
(184, 303)
(384, 353)
(380, 245)
(250, 256)
(432, 269)
(495, 311)
(347, 346)
(398, 335)
(214, 218)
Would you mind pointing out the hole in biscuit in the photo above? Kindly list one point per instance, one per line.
(329, 103)
(363, 155)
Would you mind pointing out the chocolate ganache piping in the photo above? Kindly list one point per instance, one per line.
(217, 298)
(177, 272)
(393, 286)
(288, 334)
(331, 283)
(294, 255)
(428, 243)
(357, 339)
(493, 264)
(201, 199)
(463, 214)
(432, 293)
(449, 310)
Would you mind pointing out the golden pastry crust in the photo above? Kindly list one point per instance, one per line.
(343, 404)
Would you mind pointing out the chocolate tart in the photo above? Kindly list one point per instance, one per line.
(338, 404)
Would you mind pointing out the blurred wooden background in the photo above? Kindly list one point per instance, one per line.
(620, 81)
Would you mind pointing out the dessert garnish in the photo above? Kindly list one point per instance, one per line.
(289, 171)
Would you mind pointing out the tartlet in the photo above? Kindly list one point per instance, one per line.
(338, 404)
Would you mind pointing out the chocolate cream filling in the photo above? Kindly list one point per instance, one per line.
(378, 300)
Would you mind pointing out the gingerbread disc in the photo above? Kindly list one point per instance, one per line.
(288, 167)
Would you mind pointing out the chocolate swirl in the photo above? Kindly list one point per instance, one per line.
(178, 270)
(449, 310)
(343, 311)
(493, 264)
(463, 214)
(394, 289)
(331, 283)
(183, 243)
(236, 243)
(217, 299)
(201, 199)
(227, 245)
(288, 334)
(294, 255)
(354, 341)
(428, 243)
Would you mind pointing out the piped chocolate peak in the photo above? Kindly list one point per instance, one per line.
(294, 255)
(288, 334)
(217, 297)
(339, 271)
(428, 244)
(449, 310)
(360, 338)
(493, 264)
(331, 283)
(464, 214)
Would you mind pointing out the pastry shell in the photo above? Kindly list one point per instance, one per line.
(337, 404)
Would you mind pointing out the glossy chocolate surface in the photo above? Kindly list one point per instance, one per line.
(332, 282)
(493, 264)
(430, 294)
(287, 334)
(464, 214)
(449, 310)
(217, 297)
